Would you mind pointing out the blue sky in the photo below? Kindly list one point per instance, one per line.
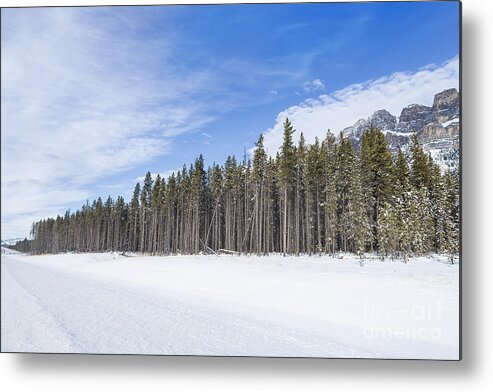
(93, 98)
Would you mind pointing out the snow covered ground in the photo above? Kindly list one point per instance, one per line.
(230, 305)
(8, 251)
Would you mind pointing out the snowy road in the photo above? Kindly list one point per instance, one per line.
(102, 303)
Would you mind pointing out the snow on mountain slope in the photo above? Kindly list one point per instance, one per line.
(230, 305)
(11, 241)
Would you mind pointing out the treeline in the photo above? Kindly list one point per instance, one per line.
(320, 198)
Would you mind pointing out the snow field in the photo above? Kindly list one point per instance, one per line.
(231, 305)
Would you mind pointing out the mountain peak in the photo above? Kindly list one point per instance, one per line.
(447, 95)
(446, 105)
(437, 127)
(413, 118)
(384, 120)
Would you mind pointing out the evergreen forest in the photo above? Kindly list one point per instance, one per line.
(321, 198)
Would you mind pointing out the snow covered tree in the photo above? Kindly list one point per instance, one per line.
(451, 211)
(387, 239)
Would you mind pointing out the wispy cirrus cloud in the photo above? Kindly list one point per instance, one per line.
(342, 108)
(84, 97)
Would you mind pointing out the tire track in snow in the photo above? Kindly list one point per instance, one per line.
(26, 321)
(71, 336)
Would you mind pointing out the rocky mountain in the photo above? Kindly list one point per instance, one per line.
(438, 128)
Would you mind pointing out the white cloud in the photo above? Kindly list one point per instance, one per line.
(313, 86)
(207, 135)
(83, 98)
(344, 107)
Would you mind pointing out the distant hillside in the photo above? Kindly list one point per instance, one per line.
(11, 241)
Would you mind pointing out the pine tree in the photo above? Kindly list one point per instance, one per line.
(420, 174)
(145, 201)
(436, 194)
(377, 175)
(421, 222)
(259, 182)
(287, 175)
(344, 172)
(387, 239)
(402, 206)
(134, 219)
(154, 212)
(300, 197)
(330, 205)
(216, 221)
(360, 231)
(314, 193)
(451, 215)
